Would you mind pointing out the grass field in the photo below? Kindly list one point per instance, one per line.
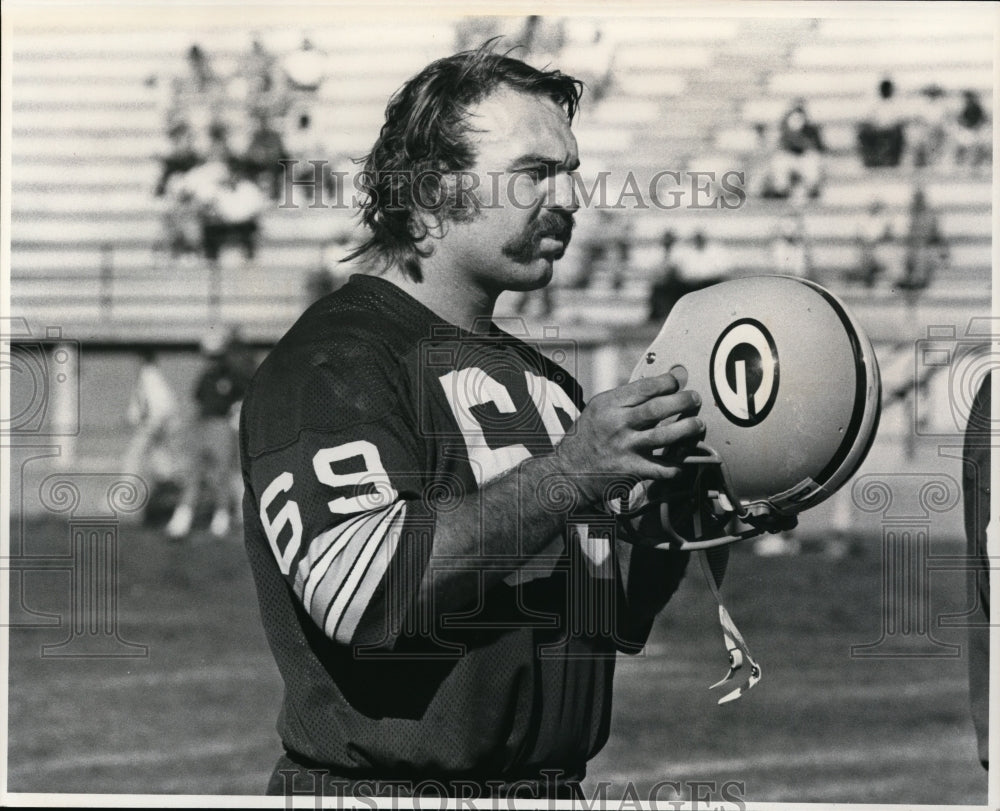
(196, 715)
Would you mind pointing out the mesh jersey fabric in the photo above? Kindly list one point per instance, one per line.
(369, 418)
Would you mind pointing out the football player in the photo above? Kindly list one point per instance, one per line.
(976, 455)
(424, 491)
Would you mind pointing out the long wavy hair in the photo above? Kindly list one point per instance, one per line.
(425, 140)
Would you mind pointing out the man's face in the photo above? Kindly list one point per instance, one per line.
(525, 152)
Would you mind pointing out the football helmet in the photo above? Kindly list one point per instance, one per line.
(791, 397)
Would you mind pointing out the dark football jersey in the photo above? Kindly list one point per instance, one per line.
(369, 420)
(976, 491)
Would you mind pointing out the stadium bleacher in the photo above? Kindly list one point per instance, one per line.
(86, 229)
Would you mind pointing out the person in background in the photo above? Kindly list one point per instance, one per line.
(796, 168)
(197, 98)
(971, 132)
(759, 162)
(663, 294)
(790, 253)
(882, 134)
(543, 38)
(153, 414)
(700, 263)
(926, 248)
(303, 72)
(213, 459)
(976, 482)
(229, 204)
(606, 251)
(180, 217)
(233, 217)
(305, 68)
(875, 244)
(181, 158)
(589, 54)
(262, 160)
(928, 128)
(259, 71)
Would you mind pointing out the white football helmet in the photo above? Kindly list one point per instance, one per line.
(791, 398)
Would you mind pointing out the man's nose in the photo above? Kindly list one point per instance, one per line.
(562, 193)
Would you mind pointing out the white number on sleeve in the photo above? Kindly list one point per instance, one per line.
(373, 475)
(287, 515)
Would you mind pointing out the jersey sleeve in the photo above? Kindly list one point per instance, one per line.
(336, 472)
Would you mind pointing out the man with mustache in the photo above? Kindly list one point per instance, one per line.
(439, 582)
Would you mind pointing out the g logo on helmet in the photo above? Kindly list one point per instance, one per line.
(744, 372)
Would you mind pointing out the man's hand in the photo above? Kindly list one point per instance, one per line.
(619, 429)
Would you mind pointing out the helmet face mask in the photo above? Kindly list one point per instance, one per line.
(791, 399)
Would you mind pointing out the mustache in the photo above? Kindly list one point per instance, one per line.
(556, 224)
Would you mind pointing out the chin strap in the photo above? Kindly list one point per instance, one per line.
(713, 563)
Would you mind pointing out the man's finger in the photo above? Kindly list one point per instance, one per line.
(663, 436)
(660, 408)
(657, 472)
(638, 391)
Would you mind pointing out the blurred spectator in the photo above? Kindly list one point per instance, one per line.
(201, 77)
(608, 247)
(213, 456)
(305, 69)
(881, 135)
(262, 159)
(258, 69)
(203, 179)
(152, 414)
(543, 38)
(971, 132)
(304, 142)
(589, 55)
(198, 96)
(181, 158)
(796, 166)
(229, 204)
(181, 219)
(180, 216)
(926, 248)
(664, 292)
(759, 163)
(790, 250)
(232, 217)
(874, 241)
(927, 131)
(700, 263)
(303, 72)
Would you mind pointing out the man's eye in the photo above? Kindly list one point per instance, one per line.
(536, 173)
